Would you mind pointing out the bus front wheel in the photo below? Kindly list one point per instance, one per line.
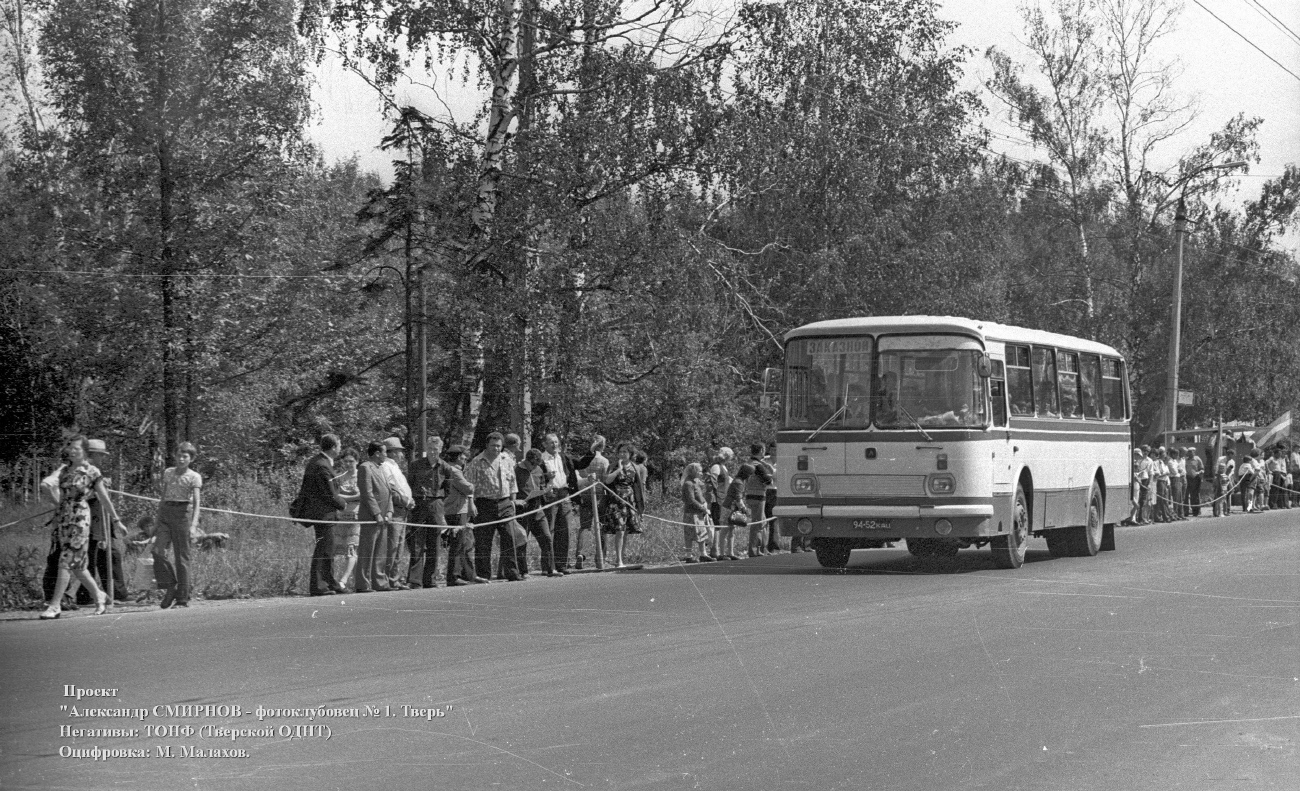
(1009, 550)
(832, 553)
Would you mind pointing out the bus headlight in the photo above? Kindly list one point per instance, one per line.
(942, 483)
(804, 526)
(803, 484)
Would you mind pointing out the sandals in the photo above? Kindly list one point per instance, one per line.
(51, 613)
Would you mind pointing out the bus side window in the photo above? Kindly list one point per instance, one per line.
(1045, 382)
(1067, 376)
(1112, 389)
(1020, 381)
(998, 393)
(1089, 378)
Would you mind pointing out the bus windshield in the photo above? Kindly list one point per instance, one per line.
(930, 381)
(828, 378)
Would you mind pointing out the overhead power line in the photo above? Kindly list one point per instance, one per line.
(1247, 40)
(1277, 23)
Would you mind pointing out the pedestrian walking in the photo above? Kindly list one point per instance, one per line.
(77, 481)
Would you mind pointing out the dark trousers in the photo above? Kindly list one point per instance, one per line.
(1194, 494)
(423, 542)
(173, 532)
(1277, 495)
(559, 516)
(491, 511)
(537, 526)
(773, 538)
(322, 559)
(460, 552)
(372, 554)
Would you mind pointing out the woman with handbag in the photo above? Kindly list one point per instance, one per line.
(735, 513)
(695, 513)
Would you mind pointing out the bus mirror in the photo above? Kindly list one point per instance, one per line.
(772, 381)
(985, 366)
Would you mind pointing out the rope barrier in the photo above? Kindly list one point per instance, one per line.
(25, 518)
(680, 524)
(278, 518)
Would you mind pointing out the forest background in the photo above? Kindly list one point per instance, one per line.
(650, 194)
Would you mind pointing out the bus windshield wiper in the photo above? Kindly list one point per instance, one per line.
(916, 423)
(829, 421)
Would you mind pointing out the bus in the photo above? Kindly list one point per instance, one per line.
(949, 433)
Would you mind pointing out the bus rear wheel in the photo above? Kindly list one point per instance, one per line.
(832, 553)
(1009, 550)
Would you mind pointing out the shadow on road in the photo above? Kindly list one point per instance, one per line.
(871, 561)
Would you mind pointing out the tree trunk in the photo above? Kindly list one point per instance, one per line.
(172, 383)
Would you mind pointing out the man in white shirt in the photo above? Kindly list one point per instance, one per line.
(403, 502)
(492, 473)
(560, 472)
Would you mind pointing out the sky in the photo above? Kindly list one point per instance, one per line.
(1222, 72)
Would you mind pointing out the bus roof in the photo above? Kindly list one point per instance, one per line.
(875, 325)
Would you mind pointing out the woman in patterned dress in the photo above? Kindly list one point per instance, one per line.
(72, 525)
(627, 502)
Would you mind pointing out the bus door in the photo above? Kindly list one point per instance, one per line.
(1002, 449)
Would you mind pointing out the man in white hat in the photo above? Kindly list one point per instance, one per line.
(403, 502)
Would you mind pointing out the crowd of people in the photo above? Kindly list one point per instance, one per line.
(381, 524)
(1174, 484)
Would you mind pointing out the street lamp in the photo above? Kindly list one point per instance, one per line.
(1176, 328)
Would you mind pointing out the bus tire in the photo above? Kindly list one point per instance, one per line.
(1009, 550)
(916, 547)
(1060, 542)
(832, 553)
(1108, 538)
(1087, 538)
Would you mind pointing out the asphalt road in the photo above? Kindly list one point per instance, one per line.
(1170, 663)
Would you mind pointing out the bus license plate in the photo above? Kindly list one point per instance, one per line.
(870, 524)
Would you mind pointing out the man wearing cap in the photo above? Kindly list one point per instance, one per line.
(429, 475)
(403, 502)
(492, 473)
(102, 515)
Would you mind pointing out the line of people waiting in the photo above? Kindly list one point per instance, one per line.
(502, 495)
(1168, 482)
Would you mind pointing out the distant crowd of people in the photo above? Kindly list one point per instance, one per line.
(1170, 484)
(731, 495)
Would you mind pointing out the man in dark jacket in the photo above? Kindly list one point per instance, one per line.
(374, 514)
(534, 487)
(321, 500)
(428, 478)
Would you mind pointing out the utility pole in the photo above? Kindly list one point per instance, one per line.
(1176, 323)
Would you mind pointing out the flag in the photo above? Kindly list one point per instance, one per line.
(1274, 431)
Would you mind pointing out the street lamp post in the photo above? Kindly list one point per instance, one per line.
(1176, 321)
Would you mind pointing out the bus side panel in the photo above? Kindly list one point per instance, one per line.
(1118, 504)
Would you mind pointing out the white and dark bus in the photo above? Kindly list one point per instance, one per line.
(950, 433)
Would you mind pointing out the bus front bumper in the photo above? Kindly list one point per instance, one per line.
(974, 520)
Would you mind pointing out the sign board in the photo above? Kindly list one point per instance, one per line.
(1185, 398)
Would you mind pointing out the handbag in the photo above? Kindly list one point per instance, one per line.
(737, 519)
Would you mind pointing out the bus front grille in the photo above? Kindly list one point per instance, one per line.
(871, 485)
